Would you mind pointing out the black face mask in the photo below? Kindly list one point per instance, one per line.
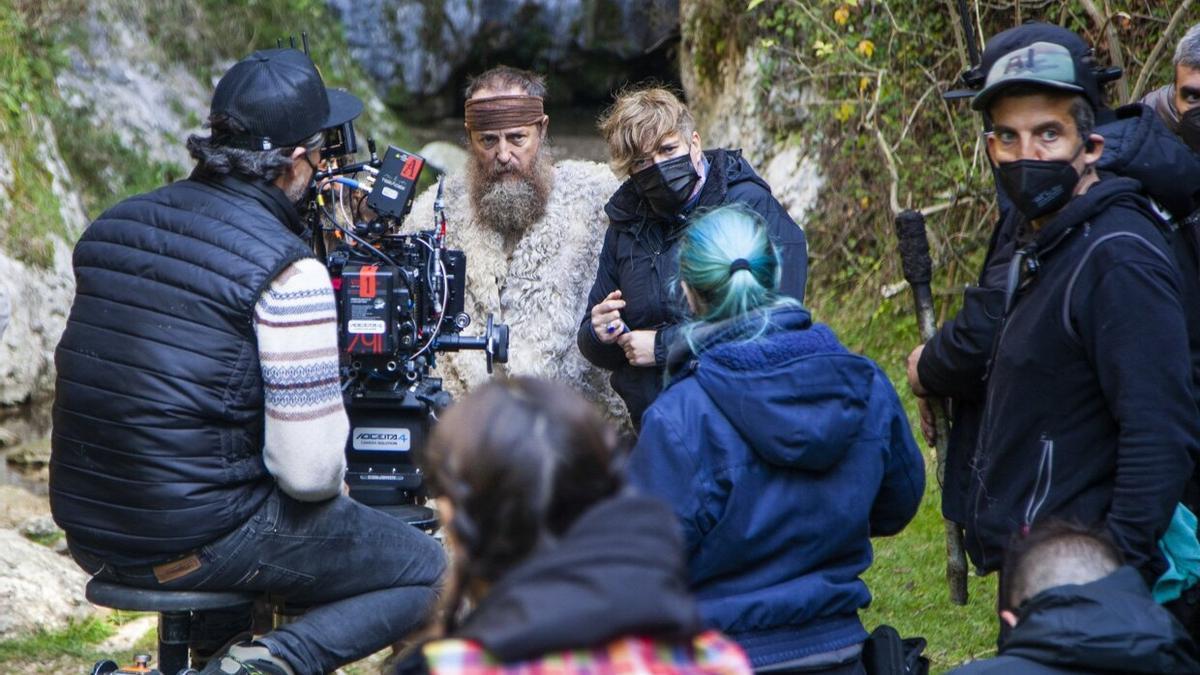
(1189, 128)
(1038, 187)
(668, 185)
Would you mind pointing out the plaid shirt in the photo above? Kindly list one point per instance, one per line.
(709, 653)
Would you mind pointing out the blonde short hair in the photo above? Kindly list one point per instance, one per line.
(638, 121)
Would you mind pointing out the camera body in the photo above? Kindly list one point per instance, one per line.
(400, 303)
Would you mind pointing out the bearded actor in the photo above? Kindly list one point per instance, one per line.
(531, 228)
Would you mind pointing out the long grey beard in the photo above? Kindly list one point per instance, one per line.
(511, 205)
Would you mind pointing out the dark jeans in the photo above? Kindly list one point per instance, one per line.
(369, 578)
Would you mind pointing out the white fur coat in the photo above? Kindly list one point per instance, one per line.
(540, 292)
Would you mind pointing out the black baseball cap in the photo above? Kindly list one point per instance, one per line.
(278, 96)
(1038, 54)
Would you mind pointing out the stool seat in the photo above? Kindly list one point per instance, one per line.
(131, 598)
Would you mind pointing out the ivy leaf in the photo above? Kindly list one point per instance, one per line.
(754, 3)
(822, 48)
(841, 15)
(866, 48)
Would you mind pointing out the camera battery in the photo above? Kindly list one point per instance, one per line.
(396, 183)
(367, 322)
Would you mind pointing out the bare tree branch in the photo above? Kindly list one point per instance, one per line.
(1112, 41)
(1152, 60)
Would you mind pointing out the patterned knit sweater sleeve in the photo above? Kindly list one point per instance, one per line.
(306, 424)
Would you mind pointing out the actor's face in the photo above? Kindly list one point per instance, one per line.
(1187, 88)
(671, 146)
(1037, 127)
(509, 174)
(501, 151)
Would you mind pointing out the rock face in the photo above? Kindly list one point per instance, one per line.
(415, 50)
(39, 589)
(737, 108)
(40, 299)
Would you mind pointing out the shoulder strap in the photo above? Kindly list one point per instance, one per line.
(1066, 304)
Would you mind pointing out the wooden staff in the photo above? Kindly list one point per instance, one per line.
(918, 271)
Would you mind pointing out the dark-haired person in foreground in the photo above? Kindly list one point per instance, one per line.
(781, 452)
(557, 568)
(1076, 609)
(199, 430)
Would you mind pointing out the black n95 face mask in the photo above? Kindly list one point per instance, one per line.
(1038, 187)
(668, 185)
(1189, 128)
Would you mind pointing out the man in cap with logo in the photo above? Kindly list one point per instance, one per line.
(1088, 410)
(199, 430)
(531, 228)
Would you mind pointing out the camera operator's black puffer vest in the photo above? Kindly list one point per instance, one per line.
(158, 413)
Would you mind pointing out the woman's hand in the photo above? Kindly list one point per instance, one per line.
(606, 318)
(639, 347)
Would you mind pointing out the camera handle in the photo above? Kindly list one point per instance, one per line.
(494, 342)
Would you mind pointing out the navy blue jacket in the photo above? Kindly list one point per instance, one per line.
(1111, 625)
(782, 455)
(640, 256)
(1089, 414)
(158, 410)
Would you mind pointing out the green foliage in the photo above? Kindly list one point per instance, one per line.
(28, 61)
(78, 639)
(206, 35)
(875, 70)
(47, 539)
(878, 68)
(103, 168)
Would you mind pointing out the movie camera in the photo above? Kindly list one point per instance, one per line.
(400, 302)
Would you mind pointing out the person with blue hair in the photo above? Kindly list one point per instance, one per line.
(781, 453)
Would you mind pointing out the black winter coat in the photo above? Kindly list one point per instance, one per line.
(1111, 625)
(955, 361)
(640, 257)
(1089, 415)
(158, 410)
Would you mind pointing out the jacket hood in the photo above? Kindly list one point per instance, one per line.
(1162, 102)
(1109, 625)
(1100, 197)
(619, 570)
(1138, 145)
(759, 384)
(627, 210)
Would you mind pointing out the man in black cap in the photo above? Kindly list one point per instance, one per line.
(199, 429)
(1087, 414)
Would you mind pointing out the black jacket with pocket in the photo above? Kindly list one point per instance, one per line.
(1090, 413)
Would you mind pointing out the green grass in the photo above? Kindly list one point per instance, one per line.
(79, 639)
(47, 540)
